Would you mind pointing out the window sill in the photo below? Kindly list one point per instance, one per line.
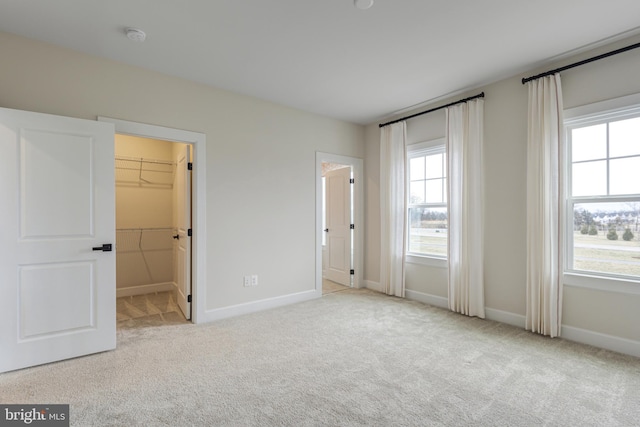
(426, 260)
(599, 283)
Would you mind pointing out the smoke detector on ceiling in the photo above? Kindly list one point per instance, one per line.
(135, 34)
(363, 4)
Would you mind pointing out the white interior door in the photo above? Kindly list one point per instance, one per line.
(57, 294)
(338, 222)
(182, 197)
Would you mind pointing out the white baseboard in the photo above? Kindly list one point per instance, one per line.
(505, 317)
(490, 313)
(145, 289)
(596, 339)
(426, 298)
(374, 286)
(255, 306)
(570, 333)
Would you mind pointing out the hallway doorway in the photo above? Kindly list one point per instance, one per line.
(347, 256)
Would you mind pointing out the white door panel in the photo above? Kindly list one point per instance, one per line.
(46, 285)
(338, 222)
(182, 195)
(51, 162)
(57, 294)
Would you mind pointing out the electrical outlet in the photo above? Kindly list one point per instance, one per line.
(254, 280)
(247, 280)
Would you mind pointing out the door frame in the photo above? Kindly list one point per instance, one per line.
(357, 166)
(198, 202)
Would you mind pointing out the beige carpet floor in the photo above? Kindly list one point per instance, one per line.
(350, 358)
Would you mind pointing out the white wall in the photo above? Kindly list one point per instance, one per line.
(372, 207)
(260, 171)
(586, 312)
(260, 157)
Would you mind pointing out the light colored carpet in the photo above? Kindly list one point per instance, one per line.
(351, 358)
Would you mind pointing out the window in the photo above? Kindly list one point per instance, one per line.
(603, 194)
(427, 204)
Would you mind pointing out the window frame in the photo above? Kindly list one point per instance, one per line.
(590, 115)
(421, 149)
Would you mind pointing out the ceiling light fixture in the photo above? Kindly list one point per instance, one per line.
(135, 34)
(363, 4)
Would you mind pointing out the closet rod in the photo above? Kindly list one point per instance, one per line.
(145, 229)
(143, 160)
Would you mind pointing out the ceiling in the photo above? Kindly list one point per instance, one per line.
(326, 56)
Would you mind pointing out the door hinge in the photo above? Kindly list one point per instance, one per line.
(352, 272)
(188, 298)
(352, 180)
(352, 226)
(189, 232)
(190, 166)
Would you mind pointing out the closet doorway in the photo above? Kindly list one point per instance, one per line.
(153, 230)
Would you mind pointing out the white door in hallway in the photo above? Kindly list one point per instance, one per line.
(57, 272)
(182, 199)
(338, 223)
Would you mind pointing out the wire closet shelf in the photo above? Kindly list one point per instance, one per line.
(143, 171)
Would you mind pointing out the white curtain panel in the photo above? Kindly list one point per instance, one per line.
(466, 207)
(393, 207)
(544, 293)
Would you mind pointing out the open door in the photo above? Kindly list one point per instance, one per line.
(57, 265)
(338, 223)
(182, 199)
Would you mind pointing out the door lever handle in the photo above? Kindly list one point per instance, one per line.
(107, 247)
(177, 237)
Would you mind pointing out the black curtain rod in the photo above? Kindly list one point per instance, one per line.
(585, 61)
(480, 95)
